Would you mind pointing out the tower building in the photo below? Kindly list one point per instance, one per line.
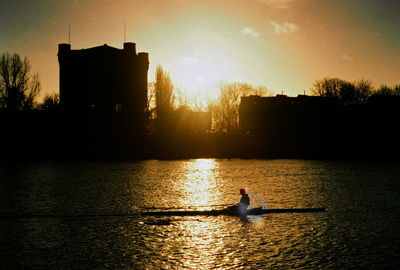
(103, 79)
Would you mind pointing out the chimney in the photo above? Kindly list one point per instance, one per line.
(130, 47)
(63, 47)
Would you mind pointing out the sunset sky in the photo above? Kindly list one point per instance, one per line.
(282, 44)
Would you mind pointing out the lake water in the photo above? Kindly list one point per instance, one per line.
(72, 222)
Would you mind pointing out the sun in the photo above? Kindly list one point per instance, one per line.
(200, 55)
(203, 69)
(200, 71)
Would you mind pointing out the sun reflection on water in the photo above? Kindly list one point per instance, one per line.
(202, 240)
(204, 245)
(200, 185)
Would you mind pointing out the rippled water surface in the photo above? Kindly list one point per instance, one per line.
(67, 215)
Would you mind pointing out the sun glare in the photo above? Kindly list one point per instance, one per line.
(200, 54)
(206, 65)
(200, 183)
(199, 72)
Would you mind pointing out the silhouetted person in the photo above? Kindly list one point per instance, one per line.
(244, 203)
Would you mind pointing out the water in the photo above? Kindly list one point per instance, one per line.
(360, 229)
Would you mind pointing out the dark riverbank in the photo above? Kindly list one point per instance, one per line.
(55, 136)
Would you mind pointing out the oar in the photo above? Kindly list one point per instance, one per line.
(210, 205)
(192, 206)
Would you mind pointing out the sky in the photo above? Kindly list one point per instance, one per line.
(284, 45)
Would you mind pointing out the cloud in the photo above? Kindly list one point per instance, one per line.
(277, 3)
(190, 61)
(285, 27)
(347, 58)
(250, 31)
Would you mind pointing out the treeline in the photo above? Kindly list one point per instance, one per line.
(351, 93)
(19, 88)
(36, 129)
(225, 109)
(165, 100)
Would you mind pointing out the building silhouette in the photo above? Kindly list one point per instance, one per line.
(272, 114)
(103, 79)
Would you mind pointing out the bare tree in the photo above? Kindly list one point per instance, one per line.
(51, 102)
(225, 110)
(18, 91)
(261, 91)
(180, 99)
(346, 93)
(151, 100)
(396, 89)
(385, 90)
(327, 87)
(163, 88)
(364, 90)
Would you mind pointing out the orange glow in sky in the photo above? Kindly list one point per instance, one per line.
(284, 45)
(203, 58)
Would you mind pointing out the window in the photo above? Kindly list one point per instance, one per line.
(118, 107)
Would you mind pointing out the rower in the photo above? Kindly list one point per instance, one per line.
(243, 203)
